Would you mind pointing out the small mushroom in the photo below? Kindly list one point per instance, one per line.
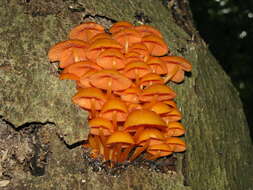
(127, 37)
(110, 80)
(99, 46)
(159, 150)
(90, 98)
(68, 52)
(146, 30)
(157, 92)
(115, 110)
(80, 68)
(111, 59)
(155, 45)
(135, 70)
(177, 144)
(150, 79)
(117, 141)
(146, 138)
(121, 25)
(157, 65)
(86, 31)
(175, 129)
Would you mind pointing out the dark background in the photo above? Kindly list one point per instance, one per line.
(227, 27)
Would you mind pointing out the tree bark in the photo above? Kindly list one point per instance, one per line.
(41, 129)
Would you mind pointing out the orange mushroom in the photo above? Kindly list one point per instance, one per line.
(173, 115)
(140, 49)
(115, 110)
(131, 94)
(146, 138)
(157, 92)
(90, 98)
(117, 141)
(157, 65)
(68, 52)
(176, 65)
(177, 144)
(80, 68)
(100, 126)
(150, 79)
(111, 59)
(86, 31)
(136, 69)
(99, 46)
(155, 45)
(175, 129)
(118, 26)
(110, 80)
(140, 119)
(159, 150)
(127, 37)
(146, 30)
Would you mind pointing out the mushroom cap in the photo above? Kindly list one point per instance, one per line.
(155, 45)
(100, 45)
(175, 129)
(150, 79)
(170, 103)
(111, 59)
(157, 65)
(86, 31)
(182, 62)
(80, 68)
(177, 144)
(114, 106)
(178, 77)
(100, 36)
(101, 79)
(163, 92)
(143, 118)
(120, 137)
(118, 26)
(136, 69)
(146, 30)
(55, 52)
(161, 149)
(98, 123)
(84, 97)
(158, 107)
(173, 115)
(154, 136)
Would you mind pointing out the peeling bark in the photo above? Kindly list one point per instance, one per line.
(45, 127)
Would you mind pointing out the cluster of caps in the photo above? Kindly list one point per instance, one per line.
(120, 78)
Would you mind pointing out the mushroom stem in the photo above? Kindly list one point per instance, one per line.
(109, 90)
(114, 120)
(138, 151)
(103, 141)
(93, 109)
(124, 155)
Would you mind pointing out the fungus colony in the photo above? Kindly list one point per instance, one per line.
(120, 79)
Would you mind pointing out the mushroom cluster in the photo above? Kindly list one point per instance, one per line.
(121, 77)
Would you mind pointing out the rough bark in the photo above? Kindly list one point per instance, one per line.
(45, 128)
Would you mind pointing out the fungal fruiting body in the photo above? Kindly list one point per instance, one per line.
(121, 78)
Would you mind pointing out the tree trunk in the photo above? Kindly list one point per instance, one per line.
(41, 129)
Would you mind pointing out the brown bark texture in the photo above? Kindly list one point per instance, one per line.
(41, 129)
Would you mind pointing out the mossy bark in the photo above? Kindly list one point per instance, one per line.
(219, 151)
